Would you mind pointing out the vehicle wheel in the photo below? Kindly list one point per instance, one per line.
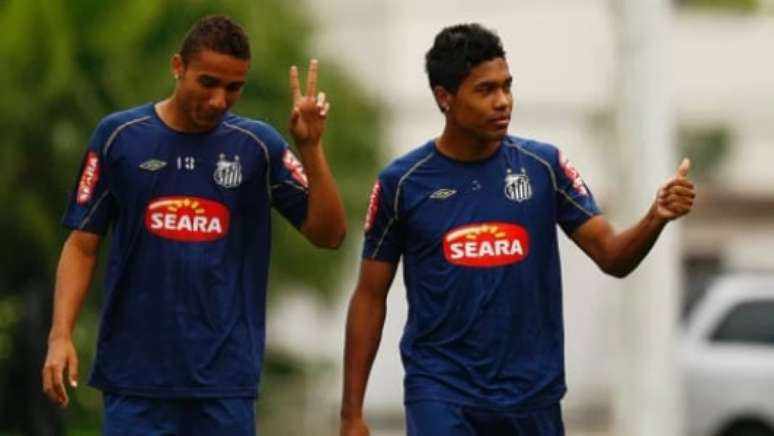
(749, 429)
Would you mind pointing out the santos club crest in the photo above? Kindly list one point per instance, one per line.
(517, 187)
(228, 174)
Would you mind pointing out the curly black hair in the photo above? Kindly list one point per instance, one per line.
(457, 50)
(217, 33)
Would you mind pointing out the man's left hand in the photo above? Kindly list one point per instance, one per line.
(676, 197)
(307, 118)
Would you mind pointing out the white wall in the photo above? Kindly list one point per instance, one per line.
(561, 54)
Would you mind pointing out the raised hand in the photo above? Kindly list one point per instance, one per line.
(307, 118)
(675, 198)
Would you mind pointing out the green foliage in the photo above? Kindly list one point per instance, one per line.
(68, 63)
(707, 147)
(727, 5)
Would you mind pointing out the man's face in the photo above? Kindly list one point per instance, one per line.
(482, 104)
(208, 85)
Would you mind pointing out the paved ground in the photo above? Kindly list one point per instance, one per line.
(570, 432)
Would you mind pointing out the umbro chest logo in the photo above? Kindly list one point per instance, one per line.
(153, 165)
(442, 194)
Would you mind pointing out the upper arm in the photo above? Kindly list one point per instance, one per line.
(375, 278)
(592, 237)
(287, 180)
(83, 243)
(575, 205)
(91, 206)
(384, 232)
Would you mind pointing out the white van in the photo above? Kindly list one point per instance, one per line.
(728, 359)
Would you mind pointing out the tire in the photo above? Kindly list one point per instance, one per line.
(748, 429)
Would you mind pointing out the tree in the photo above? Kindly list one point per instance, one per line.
(66, 64)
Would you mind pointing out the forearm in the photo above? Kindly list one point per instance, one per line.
(365, 321)
(325, 223)
(73, 278)
(624, 251)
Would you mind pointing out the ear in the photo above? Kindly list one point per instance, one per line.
(443, 98)
(177, 65)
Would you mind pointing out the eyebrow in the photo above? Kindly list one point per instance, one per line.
(205, 76)
(508, 80)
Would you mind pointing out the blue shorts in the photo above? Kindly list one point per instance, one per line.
(431, 418)
(138, 416)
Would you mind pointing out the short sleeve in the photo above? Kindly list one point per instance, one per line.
(384, 235)
(287, 180)
(575, 203)
(91, 205)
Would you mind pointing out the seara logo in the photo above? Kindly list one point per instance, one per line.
(187, 219)
(89, 178)
(486, 245)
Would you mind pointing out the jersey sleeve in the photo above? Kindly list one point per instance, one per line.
(287, 180)
(575, 203)
(384, 235)
(91, 205)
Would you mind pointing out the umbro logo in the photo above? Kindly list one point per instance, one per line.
(153, 165)
(442, 194)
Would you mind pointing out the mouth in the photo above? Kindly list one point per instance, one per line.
(501, 121)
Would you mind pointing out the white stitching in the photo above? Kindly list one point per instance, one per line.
(553, 178)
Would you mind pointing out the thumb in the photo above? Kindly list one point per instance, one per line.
(682, 170)
(72, 370)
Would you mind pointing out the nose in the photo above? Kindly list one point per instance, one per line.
(218, 100)
(503, 100)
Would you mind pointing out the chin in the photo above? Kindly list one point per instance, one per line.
(496, 136)
(208, 123)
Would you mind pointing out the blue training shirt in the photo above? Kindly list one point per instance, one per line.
(481, 268)
(184, 294)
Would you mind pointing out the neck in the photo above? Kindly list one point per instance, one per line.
(463, 146)
(173, 115)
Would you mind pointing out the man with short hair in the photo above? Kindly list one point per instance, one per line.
(187, 188)
(473, 214)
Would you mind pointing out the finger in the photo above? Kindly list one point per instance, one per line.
(679, 208)
(49, 385)
(320, 100)
(325, 109)
(682, 192)
(311, 78)
(58, 385)
(685, 166)
(685, 183)
(294, 116)
(295, 87)
(680, 183)
(47, 382)
(678, 199)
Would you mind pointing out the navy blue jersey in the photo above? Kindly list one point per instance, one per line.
(481, 268)
(184, 293)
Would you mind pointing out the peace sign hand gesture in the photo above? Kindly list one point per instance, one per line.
(307, 119)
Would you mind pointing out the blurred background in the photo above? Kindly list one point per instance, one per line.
(623, 87)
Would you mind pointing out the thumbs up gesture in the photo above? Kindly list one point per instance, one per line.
(675, 198)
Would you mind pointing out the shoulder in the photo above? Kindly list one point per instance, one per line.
(121, 119)
(404, 165)
(260, 130)
(110, 128)
(543, 152)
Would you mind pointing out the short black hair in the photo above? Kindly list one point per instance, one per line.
(217, 33)
(456, 50)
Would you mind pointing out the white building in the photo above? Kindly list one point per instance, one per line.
(563, 59)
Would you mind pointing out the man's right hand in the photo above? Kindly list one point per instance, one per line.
(354, 427)
(61, 355)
